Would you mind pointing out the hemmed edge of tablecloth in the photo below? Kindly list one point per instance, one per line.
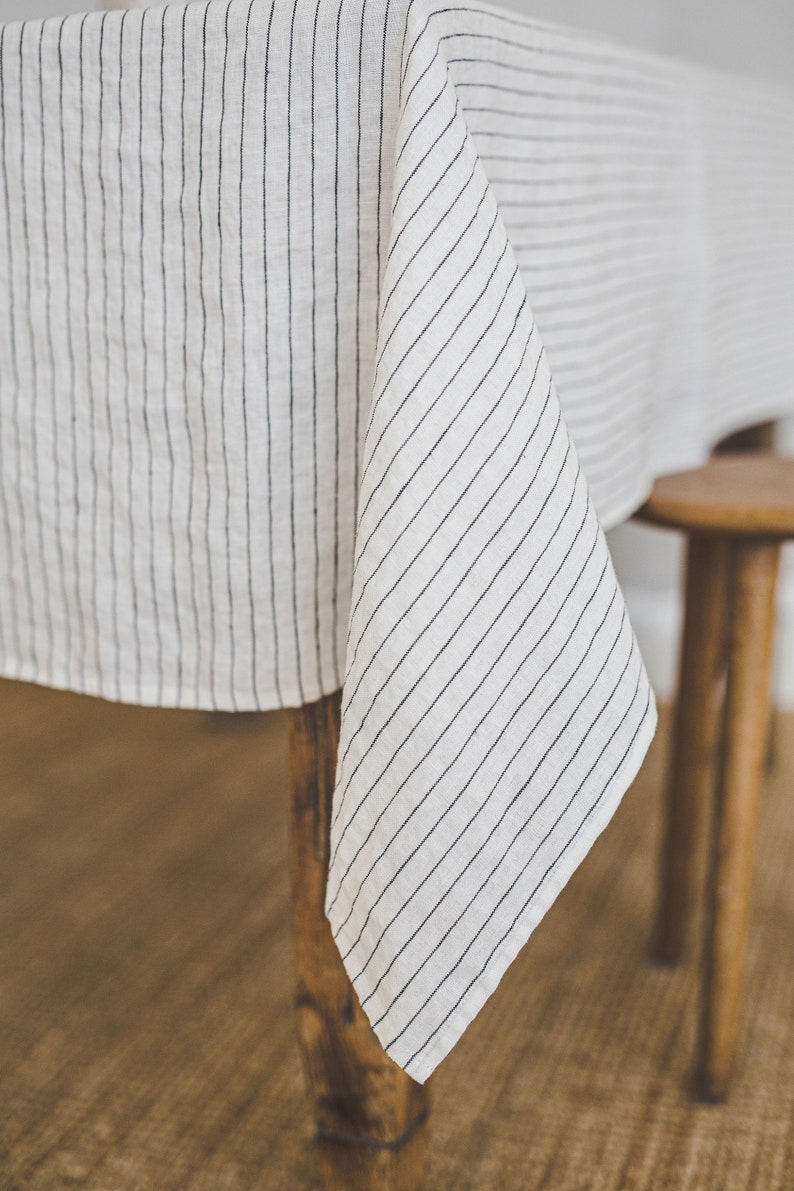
(423, 1066)
(169, 697)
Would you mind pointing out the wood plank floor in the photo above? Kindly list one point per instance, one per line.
(146, 1039)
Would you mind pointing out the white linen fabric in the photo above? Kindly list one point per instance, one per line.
(275, 412)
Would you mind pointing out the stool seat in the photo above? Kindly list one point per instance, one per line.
(735, 512)
(748, 494)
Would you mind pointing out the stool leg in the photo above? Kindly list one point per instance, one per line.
(695, 738)
(371, 1118)
(751, 632)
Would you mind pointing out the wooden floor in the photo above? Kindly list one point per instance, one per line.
(146, 1039)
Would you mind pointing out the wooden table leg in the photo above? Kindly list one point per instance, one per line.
(695, 739)
(751, 631)
(371, 1118)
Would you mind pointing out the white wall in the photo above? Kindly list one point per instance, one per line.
(18, 10)
(749, 36)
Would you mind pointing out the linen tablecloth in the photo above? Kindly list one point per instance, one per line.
(276, 413)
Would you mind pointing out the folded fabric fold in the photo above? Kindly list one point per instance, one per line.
(495, 704)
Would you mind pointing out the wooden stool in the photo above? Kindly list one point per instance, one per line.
(736, 512)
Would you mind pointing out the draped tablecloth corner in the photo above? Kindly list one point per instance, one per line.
(495, 705)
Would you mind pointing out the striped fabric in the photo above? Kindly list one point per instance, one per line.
(276, 413)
